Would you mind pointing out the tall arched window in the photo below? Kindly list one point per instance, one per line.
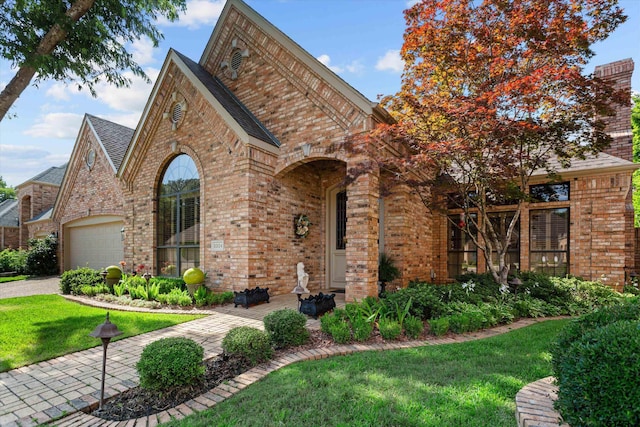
(179, 217)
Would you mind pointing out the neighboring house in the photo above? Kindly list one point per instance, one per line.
(231, 150)
(90, 206)
(36, 197)
(9, 224)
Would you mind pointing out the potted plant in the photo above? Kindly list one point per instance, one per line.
(387, 271)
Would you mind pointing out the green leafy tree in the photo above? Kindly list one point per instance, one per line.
(5, 191)
(635, 128)
(76, 40)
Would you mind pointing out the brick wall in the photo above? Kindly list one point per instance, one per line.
(34, 198)
(9, 237)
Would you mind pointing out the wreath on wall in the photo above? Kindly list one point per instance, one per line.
(301, 225)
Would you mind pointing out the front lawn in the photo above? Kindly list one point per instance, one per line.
(13, 278)
(42, 327)
(467, 384)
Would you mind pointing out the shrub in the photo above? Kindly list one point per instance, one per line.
(599, 377)
(413, 327)
(42, 257)
(460, 323)
(92, 291)
(327, 321)
(218, 298)
(170, 362)
(425, 300)
(72, 281)
(119, 289)
(13, 260)
(340, 331)
(177, 297)
(167, 284)
(249, 343)
(389, 329)
(362, 329)
(286, 328)
(439, 327)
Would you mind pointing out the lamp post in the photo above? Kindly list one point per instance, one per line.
(105, 332)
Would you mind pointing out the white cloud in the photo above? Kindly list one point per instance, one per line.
(129, 120)
(59, 91)
(22, 152)
(131, 99)
(391, 61)
(354, 67)
(22, 162)
(326, 61)
(142, 51)
(199, 13)
(56, 125)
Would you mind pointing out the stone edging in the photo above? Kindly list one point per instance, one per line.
(534, 405)
(231, 387)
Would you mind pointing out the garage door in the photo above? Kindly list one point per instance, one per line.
(96, 246)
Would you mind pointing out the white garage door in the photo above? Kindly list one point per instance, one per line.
(96, 246)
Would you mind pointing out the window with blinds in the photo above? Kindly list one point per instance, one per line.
(549, 241)
(462, 256)
(178, 218)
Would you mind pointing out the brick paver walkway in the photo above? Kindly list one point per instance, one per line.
(58, 390)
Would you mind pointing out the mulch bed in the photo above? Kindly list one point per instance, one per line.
(138, 402)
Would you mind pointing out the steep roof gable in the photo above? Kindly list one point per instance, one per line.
(52, 176)
(113, 137)
(9, 213)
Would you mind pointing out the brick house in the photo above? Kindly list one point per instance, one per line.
(231, 151)
(89, 210)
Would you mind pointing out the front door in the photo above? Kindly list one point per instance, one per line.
(337, 238)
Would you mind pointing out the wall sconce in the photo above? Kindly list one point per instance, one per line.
(306, 149)
(122, 234)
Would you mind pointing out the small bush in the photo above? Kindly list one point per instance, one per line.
(327, 321)
(340, 332)
(201, 296)
(425, 300)
(460, 323)
(250, 343)
(599, 377)
(13, 260)
(42, 256)
(286, 328)
(389, 329)
(362, 329)
(72, 281)
(177, 297)
(413, 327)
(439, 327)
(167, 284)
(219, 298)
(92, 291)
(170, 362)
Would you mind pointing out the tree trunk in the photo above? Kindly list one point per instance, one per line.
(47, 44)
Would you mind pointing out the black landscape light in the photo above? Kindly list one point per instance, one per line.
(105, 332)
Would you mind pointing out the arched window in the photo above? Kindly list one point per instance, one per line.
(178, 229)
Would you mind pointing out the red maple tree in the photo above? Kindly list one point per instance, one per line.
(493, 91)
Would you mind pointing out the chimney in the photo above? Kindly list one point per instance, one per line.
(619, 126)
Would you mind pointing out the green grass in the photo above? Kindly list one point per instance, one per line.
(467, 384)
(13, 278)
(37, 328)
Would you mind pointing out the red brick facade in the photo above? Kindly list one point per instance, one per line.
(251, 189)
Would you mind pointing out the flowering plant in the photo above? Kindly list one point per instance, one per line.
(302, 224)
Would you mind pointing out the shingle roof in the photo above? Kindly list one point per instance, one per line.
(43, 215)
(53, 175)
(114, 137)
(590, 163)
(229, 102)
(9, 213)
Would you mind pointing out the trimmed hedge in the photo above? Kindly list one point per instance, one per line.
(170, 362)
(250, 343)
(286, 328)
(72, 281)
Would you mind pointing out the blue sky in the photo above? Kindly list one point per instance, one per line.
(357, 39)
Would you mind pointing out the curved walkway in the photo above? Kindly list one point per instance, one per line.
(534, 405)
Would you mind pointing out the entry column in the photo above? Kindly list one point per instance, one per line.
(362, 236)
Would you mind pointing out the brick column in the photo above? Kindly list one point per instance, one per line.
(362, 236)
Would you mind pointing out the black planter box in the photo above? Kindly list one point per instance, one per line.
(251, 297)
(317, 305)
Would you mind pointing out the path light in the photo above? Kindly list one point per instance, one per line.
(515, 282)
(105, 332)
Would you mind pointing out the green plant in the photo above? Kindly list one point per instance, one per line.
(460, 323)
(13, 260)
(119, 289)
(218, 298)
(167, 284)
(389, 329)
(201, 296)
(250, 343)
(340, 332)
(362, 329)
(426, 300)
(413, 327)
(327, 321)
(170, 362)
(599, 377)
(439, 327)
(72, 281)
(286, 328)
(178, 297)
(91, 291)
(42, 256)
(387, 270)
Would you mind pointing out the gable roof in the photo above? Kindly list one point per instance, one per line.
(303, 56)
(52, 176)
(9, 213)
(602, 162)
(113, 137)
(238, 111)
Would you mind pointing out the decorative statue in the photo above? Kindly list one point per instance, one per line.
(303, 278)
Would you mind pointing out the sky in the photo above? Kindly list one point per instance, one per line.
(358, 39)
